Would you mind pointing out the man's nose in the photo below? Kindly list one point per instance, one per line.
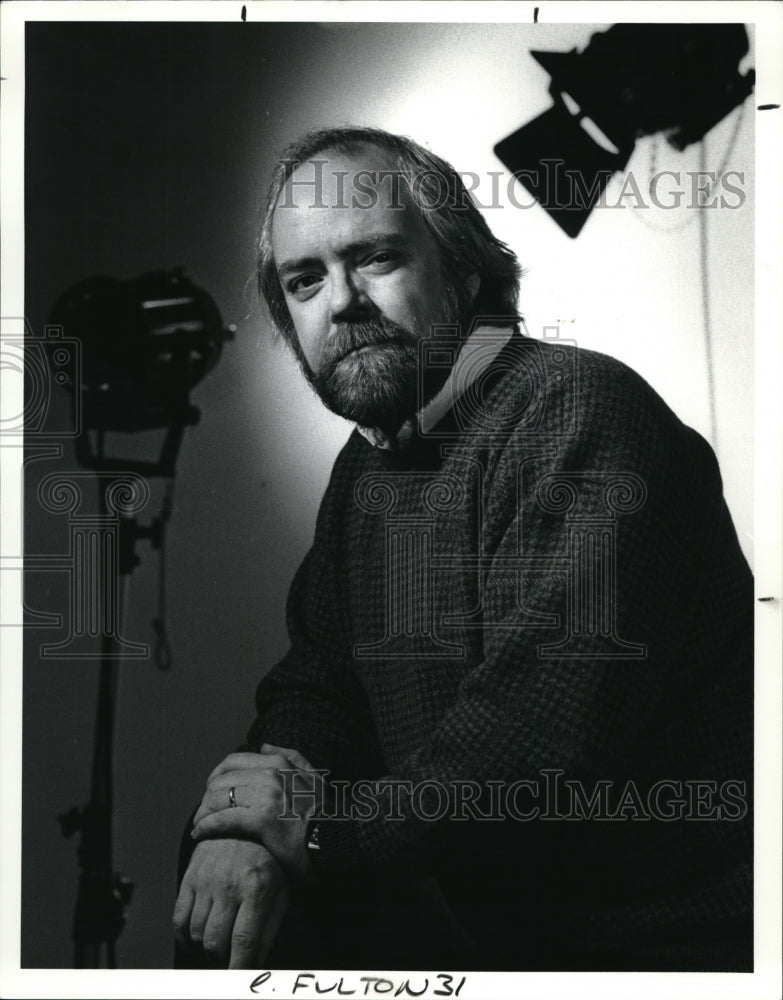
(349, 297)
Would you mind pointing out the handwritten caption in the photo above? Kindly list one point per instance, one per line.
(308, 983)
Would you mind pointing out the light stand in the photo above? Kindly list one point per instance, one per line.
(146, 343)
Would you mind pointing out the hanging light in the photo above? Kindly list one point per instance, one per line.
(631, 80)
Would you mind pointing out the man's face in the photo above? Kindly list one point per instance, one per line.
(363, 282)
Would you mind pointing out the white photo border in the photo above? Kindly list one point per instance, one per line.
(768, 18)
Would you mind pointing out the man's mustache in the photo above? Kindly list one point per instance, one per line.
(348, 337)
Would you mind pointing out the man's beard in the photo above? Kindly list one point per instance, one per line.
(369, 370)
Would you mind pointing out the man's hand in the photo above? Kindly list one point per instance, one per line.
(247, 797)
(231, 902)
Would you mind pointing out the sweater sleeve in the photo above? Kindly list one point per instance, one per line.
(568, 698)
(311, 700)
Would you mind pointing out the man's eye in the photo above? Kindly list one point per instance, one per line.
(381, 259)
(303, 282)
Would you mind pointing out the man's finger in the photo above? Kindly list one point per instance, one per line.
(272, 923)
(226, 823)
(199, 916)
(261, 800)
(296, 758)
(218, 799)
(235, 762)
(263, 774)
(219, 927)
(273, 761)
(182, 911)
(247, 935)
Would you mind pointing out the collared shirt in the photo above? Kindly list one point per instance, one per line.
(477, 354)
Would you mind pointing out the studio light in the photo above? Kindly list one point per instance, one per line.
(145, 343)
(630, 81)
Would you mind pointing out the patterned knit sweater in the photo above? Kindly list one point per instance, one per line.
(547, 589)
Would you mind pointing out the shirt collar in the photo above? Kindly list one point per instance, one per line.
(476, 355)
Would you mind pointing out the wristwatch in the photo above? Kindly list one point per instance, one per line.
(313, 833)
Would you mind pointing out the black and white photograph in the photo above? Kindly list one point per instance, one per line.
(392, 491)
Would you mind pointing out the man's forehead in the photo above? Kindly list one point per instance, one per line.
(335, 200)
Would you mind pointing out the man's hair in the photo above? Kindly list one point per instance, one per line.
(466, 242)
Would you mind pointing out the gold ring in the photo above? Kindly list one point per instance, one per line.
(232, 799)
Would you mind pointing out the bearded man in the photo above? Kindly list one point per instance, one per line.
(514, 727)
